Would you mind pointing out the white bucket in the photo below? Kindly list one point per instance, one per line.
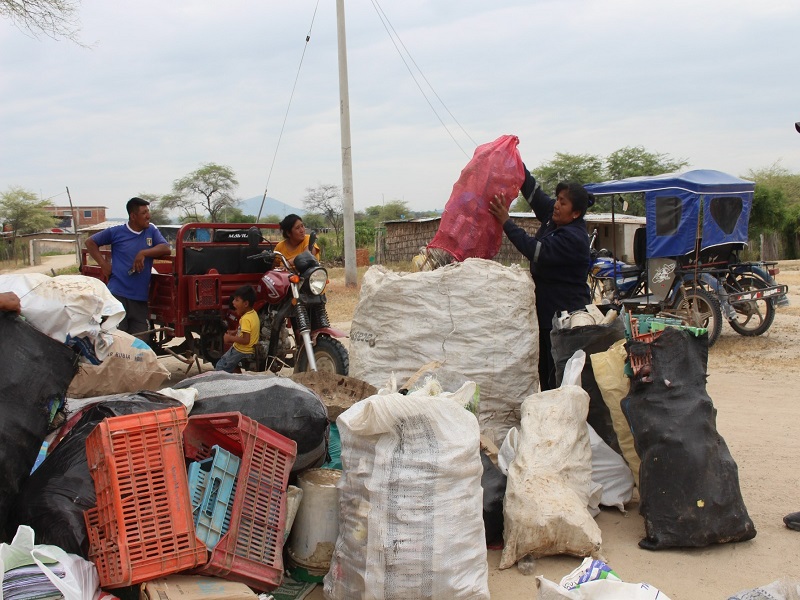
(316, 525)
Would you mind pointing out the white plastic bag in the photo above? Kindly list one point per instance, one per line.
(595, 580)
(410, 500)
(68, 305)
(80, 581)
(508, 450)
(611, 472)
(130, 366)
(786, 588)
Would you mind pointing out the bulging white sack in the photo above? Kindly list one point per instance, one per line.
(73, 306)
(545, 508)
(476, 317)
(410, 501)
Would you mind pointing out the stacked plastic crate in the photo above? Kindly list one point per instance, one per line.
(149, 522)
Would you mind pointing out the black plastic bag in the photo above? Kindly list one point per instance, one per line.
(591, 339)
(493, 483)
(279, 403)
(54, 497)
(36, 373)
(688, 481)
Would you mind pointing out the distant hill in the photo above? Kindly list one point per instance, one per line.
(272, 206)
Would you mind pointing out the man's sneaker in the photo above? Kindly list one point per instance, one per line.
(792, 521)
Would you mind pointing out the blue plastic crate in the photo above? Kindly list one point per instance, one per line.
(198, 473)
(212, 486)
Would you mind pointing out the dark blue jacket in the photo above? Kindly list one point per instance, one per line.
(559, 258)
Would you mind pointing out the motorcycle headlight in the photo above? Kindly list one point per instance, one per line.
(317, 281)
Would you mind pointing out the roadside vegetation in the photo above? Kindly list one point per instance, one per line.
(209, 194)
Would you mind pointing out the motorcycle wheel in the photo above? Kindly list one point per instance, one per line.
(754, 317)
(697, 308)
(212, 344)
(331, 357)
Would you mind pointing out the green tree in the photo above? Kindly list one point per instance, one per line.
(272, 219)
(23, 212)
(768, 212)
(312, 221)
(791, 230)
(232, 214)
(209, 188)
(394, 210)
(158, 214)
(630, 161)
(582, 168)
(635, 161)
(520, 205)
(778, 177)
(326, 200)
(365, 234)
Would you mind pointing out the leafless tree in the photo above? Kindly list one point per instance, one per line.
(54, 18)
(326, 200)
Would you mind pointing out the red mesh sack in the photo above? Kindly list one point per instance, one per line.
(468, 229)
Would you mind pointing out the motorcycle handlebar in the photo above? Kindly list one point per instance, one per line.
(270, 256)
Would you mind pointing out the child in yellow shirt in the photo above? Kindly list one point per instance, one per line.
(246, 336)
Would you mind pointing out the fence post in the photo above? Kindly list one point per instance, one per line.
(35, 253)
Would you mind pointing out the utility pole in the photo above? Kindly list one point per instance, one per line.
(75, 227)
(350, 271)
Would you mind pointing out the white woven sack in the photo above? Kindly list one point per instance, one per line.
(68, 305)
(476, 317)
(545, 508)
(410, 501)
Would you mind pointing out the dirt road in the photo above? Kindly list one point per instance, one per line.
(755, 386)
(49, 264)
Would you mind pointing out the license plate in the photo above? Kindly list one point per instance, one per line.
(777, 290)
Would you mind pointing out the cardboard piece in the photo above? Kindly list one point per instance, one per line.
(195, 587)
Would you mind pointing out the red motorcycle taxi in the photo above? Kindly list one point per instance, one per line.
(190, 295)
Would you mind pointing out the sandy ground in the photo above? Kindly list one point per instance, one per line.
(754, 384)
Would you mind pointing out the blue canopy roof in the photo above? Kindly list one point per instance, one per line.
(673, 207)
(699, 181)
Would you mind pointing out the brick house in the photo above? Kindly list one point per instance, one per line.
(84, 215)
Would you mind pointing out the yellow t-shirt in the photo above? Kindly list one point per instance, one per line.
(248, 323)
(283, 248)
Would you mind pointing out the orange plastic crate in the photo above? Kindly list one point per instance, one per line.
(251, 552)
(642, 359)
(142, 527)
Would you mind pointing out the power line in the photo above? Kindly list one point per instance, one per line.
(385, 20)
(286, 116)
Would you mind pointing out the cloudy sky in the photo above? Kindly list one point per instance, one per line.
(166, 86)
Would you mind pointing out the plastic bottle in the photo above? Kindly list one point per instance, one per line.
(526, 565)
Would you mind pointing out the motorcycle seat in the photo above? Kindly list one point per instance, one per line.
(629, 270)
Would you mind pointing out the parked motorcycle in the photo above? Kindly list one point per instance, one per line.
(295, 328)
(190, 293)
(615, 282)
(696, 226)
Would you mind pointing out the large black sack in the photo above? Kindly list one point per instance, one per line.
(279, 403)
(688, 481)
(493, 483)
(54, 497)
(591, 339)
(36, 373)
